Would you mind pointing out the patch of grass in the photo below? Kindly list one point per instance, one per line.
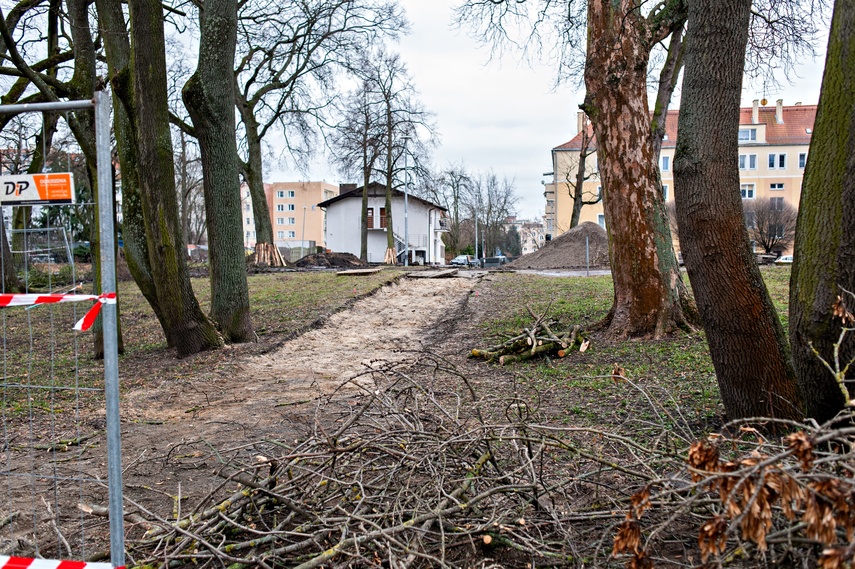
(41, 350)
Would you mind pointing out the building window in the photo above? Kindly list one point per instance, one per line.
(280, 235)
(280, 194)
(776, 186)
(666, 163)
(248, 220)
(802, 159)
(292, 234)
(601, 219)
(777, 230)
(599, 192)
(747, 134)
(247, 234)
(749, 220)
(383, 217)
(747, 191)
(369, 221)
(747, 161)
(292, 221)
(291, 207)
(665, 192)
(280, 221)
(280, 207)
(777, 161)
(777, 203)
(290, 193)
(246, 207)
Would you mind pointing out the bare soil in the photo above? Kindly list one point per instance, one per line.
(567, 251)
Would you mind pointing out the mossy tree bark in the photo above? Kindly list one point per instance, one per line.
(117, 46)
(189, 329)
(746, 339)
(209, 96)
(82, 86)
(824, 258)
(650, 297)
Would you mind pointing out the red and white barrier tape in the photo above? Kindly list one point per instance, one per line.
(83, 324)
(27, 563)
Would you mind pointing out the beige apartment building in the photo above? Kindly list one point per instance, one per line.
(294, 213)
(773, 148)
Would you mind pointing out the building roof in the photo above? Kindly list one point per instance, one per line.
(375, 190)
(798, 121)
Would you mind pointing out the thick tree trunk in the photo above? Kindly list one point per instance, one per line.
(210, 96)
(650, 297)
(82, 86)
(824, 259)
(745, 336)
(266, 251)
(190, 330)
(118, 49)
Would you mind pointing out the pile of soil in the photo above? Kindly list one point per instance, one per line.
(567, 251)
(331, 260)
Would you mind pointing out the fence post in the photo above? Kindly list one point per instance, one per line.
(108, 320)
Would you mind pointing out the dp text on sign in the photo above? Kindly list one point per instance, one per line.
(31, 189)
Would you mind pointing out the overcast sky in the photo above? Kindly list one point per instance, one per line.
(506, 116)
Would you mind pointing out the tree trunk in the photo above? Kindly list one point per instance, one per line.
(824, 258)
(668, 78)
(363, 234)
(10, 281)
(266, 252)
(82, 86)
(188, 327)
(391, 250)
(578, 189)
(746, 340)
(209, 96)
(118, 50)
(650, 297)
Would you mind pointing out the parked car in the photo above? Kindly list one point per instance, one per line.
(462, 261)
(784, 260)
(494, 262)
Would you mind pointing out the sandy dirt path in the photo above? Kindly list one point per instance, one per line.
(407, 315)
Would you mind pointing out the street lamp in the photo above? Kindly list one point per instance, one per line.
(406, 138)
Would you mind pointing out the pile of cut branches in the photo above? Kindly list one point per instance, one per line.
(535, 340)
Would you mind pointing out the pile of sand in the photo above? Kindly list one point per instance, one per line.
(331, 260)
(567, 251)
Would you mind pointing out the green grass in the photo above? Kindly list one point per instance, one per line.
(40, 349)
(676, 372)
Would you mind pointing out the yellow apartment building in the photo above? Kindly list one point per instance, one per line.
(773, 148)
(294, 213)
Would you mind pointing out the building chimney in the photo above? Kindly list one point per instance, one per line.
(580, 121)
(779, 111)
(755, 112)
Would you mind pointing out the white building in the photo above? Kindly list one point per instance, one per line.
(424, 221)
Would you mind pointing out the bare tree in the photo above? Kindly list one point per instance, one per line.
(355, 146)
(576, 174)
(289, 57)
(491, 201)
(450, 189)
(771, 223)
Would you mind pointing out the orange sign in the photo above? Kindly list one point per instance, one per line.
(30, 189)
